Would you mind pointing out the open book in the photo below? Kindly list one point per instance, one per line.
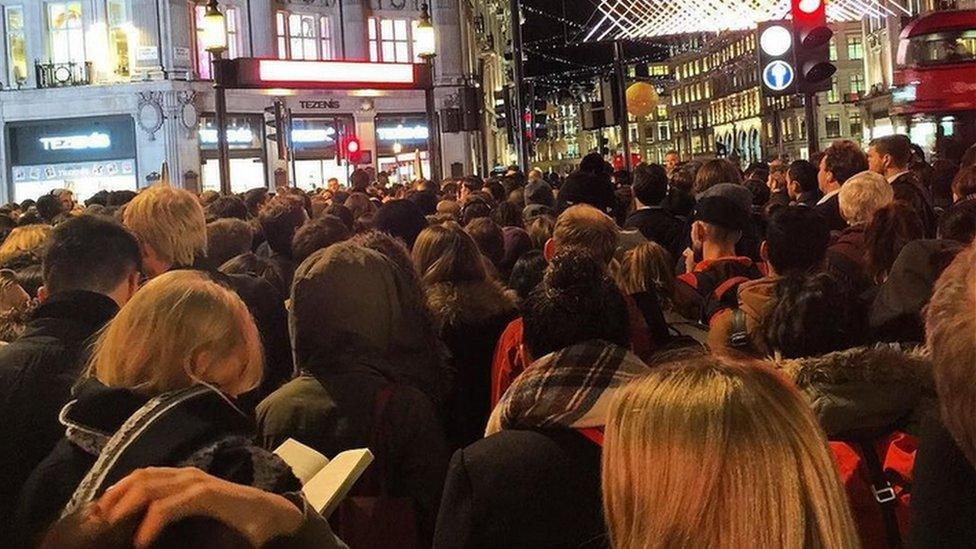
(325, 482)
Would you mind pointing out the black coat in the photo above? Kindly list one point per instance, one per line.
(830, 211)
(908, 190)
(523, 488)
(943, 494)
(203, 430)
(36, 375)
(658, 225)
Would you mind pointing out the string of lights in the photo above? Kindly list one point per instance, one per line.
(552, 16)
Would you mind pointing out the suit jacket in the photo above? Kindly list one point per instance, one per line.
(830, 211)
(908, 190)
(523, 488)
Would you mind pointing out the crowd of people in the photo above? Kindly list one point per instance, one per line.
(689, 355)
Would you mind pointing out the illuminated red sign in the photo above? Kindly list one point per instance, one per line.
(249, 72)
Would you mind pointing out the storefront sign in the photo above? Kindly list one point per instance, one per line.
(94, 140)
(235, 136)
(320, 104)
(74, 140)
(111, 168)
(147, 53)
(402, 133)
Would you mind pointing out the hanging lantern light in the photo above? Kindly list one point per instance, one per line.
(642, 99)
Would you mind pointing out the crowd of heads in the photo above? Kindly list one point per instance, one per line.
(740, 270)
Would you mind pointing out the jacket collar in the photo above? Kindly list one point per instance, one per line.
(75, 315)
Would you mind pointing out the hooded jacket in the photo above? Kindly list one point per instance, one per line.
(866, 390)
(471, 315)
(355, 333)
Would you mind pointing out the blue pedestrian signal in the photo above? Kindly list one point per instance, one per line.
(778, 75)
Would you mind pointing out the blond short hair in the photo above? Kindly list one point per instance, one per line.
(170, 221)
(707, 453)
(180, 329)
(585, 227)
(862, 195)
(26, 239)
(950, 327)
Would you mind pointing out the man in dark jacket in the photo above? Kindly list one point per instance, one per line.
(890, 156)
(91, 268)
(172, 233)
(801, 183)
(840, 162)
(650, 216)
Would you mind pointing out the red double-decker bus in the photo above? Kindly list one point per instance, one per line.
(935, 83)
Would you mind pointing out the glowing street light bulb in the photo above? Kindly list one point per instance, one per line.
(776, 40)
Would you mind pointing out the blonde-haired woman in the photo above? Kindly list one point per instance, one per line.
(471, 309)
(710, 454)
(159, 391)
(648, 268)
(24, 240)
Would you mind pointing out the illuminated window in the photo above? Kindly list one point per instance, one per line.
(233, 38)
(233, 33)
(856, 126)
(303, 36)
(832, 123)
(833, 95)
(833, 48)
(390, 40)
(13, 20)
(857, 83)
(65, 32)
(855, 47)
(119, 27)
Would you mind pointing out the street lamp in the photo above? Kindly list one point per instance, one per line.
(213, 38)
(425, 48)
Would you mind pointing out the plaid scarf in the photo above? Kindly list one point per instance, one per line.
(571, 388)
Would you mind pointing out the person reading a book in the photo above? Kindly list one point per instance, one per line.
(159, 390)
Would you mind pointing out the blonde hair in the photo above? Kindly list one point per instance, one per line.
(950, 327)
(169, 220)
(24, 240)
(180, 329)
(713, 454)
(446, 253)
(648, 268)
(586, 227)
(862, 195)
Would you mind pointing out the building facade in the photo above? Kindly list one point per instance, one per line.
(99, 93)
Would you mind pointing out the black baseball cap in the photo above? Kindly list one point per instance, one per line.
(722, 212)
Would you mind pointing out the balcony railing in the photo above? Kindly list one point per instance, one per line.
(58, 75)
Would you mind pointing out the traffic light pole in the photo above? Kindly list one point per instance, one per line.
(433, 130)
(622, 118)
(220, 115)
(810, 108)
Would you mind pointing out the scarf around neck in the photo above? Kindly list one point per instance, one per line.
(571, 388)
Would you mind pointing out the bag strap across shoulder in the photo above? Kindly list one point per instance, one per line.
(883, 492)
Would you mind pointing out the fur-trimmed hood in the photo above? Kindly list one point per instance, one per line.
(865, 390)
(470, 302)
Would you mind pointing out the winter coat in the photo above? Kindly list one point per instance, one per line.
(36, 374)
(865, 390)
(847, 259)
(907, 189)
(523, 488)
(195, 427)
(944, 494)
(658, 225)
(472, 315)
(755, 300)
(830, 212)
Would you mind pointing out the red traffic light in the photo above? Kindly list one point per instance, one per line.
(352, 145)
(810, 6)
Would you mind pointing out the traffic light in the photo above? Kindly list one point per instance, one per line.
(540, 119)
(811, 38)
(352, 149)
(776, 58)
(277, 127)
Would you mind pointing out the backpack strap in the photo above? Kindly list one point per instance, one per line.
(738, 334)
(884, 494)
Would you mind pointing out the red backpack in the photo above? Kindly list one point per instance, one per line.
(877, 475)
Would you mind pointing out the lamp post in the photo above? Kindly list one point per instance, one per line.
(425, 44)
(214, 39)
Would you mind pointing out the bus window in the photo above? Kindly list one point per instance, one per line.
(942, 48)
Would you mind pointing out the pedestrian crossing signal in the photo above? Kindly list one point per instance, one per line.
(776, 57)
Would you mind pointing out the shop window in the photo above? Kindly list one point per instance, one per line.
(65, 32)
(832, 123)
(855, 47)
(13, 20)
(233, 38)
(303, 36)
(119, 28)
(391, 40)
